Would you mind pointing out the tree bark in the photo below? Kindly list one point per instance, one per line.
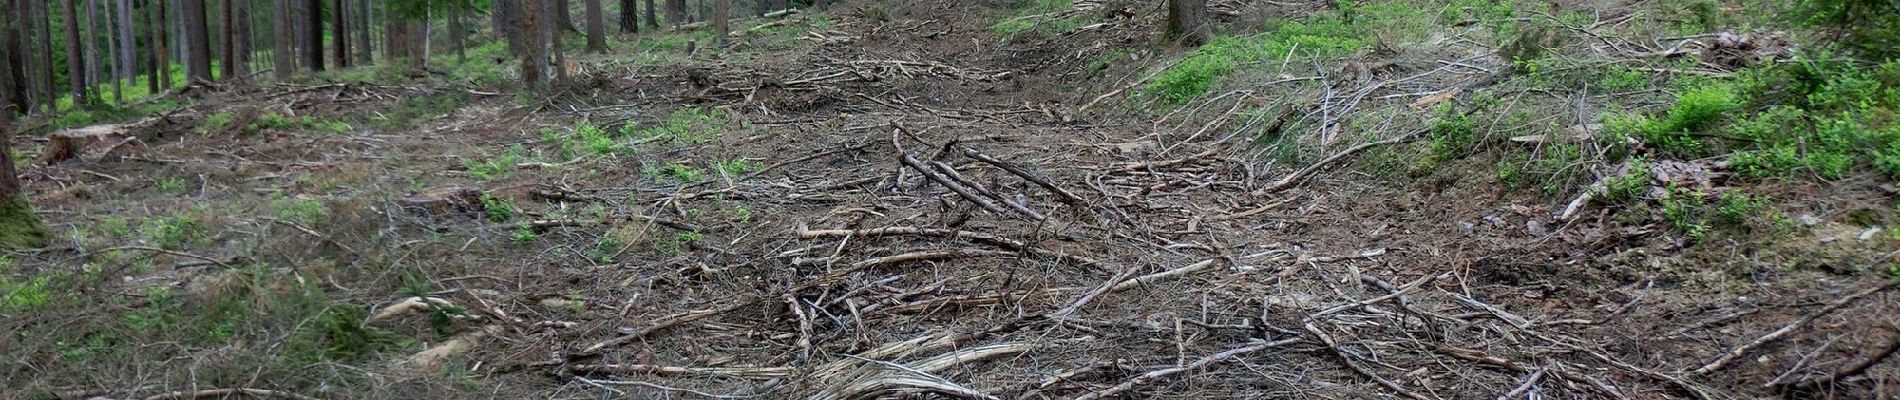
(565, 15)
(507, 22)
(554, 35)
(13, 98)
(95, 65)
(281, 37)
(364, 12)
(596, 27)
(533, 62)
(629, 16)
(722, 19)
(227, 39)
(340, 24)
(75, 56)
(313, 47)
(241, 49)
(1187, 22)
(19, 228)
(197, 41)
(128, 43)
(653, 19)
(676, 13)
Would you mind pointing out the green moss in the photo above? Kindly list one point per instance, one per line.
(19, 228)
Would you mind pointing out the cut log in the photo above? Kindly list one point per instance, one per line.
(91, 143)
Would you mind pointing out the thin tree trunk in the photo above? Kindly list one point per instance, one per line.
(281, 39)
(507, 24)
(128, 44)
(555, 38)
(629, 16)
(339, 23)
(75, 56)
(112, 53)
(458, 33)
(13, 99)
(49, 90)
(227, 39)
(596, 27)
(362, 31)
(533, 62)
(722, 19)
(653, 19)
(240, 55)
(197, 41)
(155, 27)
(564, 12)
(95, 65)
(313, 47)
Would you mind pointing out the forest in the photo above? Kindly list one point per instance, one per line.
(950, 199)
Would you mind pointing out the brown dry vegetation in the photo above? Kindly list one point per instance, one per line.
(768, 223)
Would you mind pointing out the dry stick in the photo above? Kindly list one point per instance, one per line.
(1843, 373)
(954, 186)
(736, 372)
(163, 251)
(1066, 196)
(181, 395)
(1738, 352)
(931, 255)
(1098, 99)
(993, 240)
(1401, 292)
(1347, 359)
(1529, 382)
(1296, 177)
(1203, 362)
(952, 173)
(661, 324)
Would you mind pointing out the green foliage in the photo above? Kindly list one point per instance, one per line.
(1684, 211)
(174, 231)
(216, 123)
(1871, 27)
(1452, 136)
(686, 125)
(736, 166)
(172, 185)
(680, 173)
(1324, 35)
(493, 168)
(1628, 186)
(1040, 16)
(302, 210)
(26, 295)
(1821, 117)
(524, 234)
(412, 110)
(498, 209)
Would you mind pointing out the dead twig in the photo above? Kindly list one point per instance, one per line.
(1355, 367)
(1066, 196)
(1198, 364)
(959, 189)
(1300, 175)
(1850, 371)
(1743, 350)
(181, 395)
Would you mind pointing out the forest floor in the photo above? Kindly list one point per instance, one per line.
(968, 200)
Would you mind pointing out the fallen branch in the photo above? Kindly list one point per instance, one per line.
(1848, 372)
(1203, 362)
(735, 372)
(180, 395)
(959, 189)
(931, 255)
(659, 325)
(1743, 350)
(1296, 177)
(1355, 367)
(1066, 196)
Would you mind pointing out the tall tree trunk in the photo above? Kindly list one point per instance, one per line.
(365, 12)
(313, 47)
(458, 33)
(227, 36)
(676, 13)
(95, 65)
(653, 19)
(629, 16)
(533, 61)
(281, 38)
(156, 57)
(19, 228)
(197, 41)
(596, 27)
(75, 56)
(128, 43)
(13, 99)
(566, 16)
(49, 91)
(241, 49)
(1187, 21)
(722, 19)
(339, 23)
(111, 33)
(507, 24)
